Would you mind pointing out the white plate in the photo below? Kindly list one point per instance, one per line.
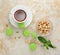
(28, 19)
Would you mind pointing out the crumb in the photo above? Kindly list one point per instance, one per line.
(19, 37)
(14, 37)
(7, 25)
(27, 41)
(17, 31)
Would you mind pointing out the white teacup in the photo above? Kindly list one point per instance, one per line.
(20, 14)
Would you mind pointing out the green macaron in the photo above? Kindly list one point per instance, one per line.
(9, 31)
(26, 33)
(33, 46)
(21, 25)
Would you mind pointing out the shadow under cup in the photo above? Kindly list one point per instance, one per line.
(20, 15)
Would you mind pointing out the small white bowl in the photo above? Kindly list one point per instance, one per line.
(28, 19)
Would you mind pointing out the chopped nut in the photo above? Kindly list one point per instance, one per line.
(44, 26)
(17, 31)
(19, 37)
(7, 25)
(27, 41)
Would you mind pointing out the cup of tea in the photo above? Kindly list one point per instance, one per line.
(19, 16)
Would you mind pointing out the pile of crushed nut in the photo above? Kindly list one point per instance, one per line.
(44, 26)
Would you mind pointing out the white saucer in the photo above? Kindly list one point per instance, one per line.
(28, 19)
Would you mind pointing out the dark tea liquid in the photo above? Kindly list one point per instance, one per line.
(20, 15)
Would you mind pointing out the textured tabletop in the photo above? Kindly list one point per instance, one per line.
(16, 44)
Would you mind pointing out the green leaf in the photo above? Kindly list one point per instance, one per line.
(50, 44)
(43, 40)
(46, 45)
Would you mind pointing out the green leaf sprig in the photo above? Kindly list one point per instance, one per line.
(46, 43)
